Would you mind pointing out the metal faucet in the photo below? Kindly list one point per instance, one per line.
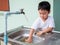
(17, 12)
(6, 16)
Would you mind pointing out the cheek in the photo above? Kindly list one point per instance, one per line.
(41, 15)
(45, 16)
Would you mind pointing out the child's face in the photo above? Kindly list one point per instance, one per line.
(43, 14)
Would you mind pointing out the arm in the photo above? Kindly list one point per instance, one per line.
(31, 33)
(29, 40)
(33, 28)
(47, 30)
(44, 31)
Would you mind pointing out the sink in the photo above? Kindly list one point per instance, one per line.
(18, 35)
(22, 38)
(23, 34)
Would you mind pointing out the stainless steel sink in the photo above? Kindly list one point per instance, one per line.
(23, 33)
(18, 34)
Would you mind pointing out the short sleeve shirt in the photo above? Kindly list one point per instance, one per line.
(39, 23)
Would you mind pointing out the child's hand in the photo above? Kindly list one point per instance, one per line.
(39, 33)
(29, 40)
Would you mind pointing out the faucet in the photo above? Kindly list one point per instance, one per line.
(17, 12)
(22, 12)
(6, 16)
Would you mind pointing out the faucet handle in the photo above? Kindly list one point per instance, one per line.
(22, 12)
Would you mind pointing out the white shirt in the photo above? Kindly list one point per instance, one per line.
(39, 23)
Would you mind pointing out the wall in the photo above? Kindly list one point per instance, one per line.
(56, 13)
(30, 8)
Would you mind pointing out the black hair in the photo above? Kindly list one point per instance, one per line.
(44, 5)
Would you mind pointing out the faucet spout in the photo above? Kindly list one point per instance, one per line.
(17, 12)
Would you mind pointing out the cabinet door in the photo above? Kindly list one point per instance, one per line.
(56, 12)
(4, 5)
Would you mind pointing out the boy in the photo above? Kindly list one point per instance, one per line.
(44, 21)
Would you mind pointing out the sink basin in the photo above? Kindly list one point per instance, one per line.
(36, 39)
(22, 34)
